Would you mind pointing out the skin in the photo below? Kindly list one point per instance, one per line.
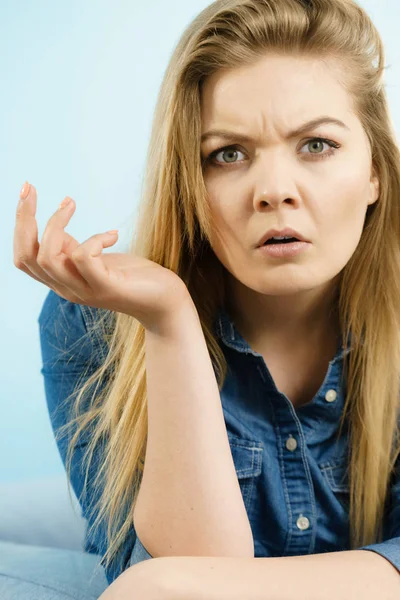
(358, 574)
(282, 306)
(82, 273)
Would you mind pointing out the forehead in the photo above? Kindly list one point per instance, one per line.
(277, 91)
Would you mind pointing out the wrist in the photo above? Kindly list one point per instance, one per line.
(174, 323)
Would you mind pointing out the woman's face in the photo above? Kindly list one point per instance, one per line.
(273, 180)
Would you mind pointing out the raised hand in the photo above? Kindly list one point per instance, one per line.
(80, 273)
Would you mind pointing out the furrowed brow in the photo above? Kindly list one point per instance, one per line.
(310, 125)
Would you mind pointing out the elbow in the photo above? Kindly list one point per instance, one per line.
(160, 545)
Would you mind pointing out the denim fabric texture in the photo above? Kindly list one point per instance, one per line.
(291, 469)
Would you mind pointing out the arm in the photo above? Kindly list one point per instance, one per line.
(347, 575)
(189, 502)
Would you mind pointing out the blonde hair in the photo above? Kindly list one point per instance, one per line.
(174, 226)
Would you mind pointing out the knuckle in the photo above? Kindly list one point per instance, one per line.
(19, 262)
(78, 253)
(22, 259)
(42, 261)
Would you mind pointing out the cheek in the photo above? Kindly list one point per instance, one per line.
(341, 224)
(346, 209)
(227, 221)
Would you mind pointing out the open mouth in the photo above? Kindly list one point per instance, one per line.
(285, 241)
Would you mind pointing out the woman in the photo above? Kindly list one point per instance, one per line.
(218, 394)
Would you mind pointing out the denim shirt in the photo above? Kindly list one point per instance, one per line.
(291, 469)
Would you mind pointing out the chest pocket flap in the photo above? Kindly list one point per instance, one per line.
(336, 474)
(247, 457)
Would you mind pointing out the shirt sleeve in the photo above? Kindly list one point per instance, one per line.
(139, 553)
(390, 548)
(69, 356)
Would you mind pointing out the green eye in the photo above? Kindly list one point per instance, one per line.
(319, 155)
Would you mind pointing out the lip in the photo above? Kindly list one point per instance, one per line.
(288, 231)
(284, 251)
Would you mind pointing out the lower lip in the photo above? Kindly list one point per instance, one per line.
(284, 250)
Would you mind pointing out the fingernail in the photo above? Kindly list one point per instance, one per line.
(24, 191)
(65, 202)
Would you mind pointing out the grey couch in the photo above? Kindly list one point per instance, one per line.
(41, 544)
(40, 513)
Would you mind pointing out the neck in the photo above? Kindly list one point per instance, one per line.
(287, 323)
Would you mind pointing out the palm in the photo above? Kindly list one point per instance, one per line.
(84, 274)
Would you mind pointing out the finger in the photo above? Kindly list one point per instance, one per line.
(28, 272)
(58, 289)
(55, 253)
(26, 246)
(26, 242)
(89, 261)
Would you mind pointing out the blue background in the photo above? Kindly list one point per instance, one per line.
(79, 82)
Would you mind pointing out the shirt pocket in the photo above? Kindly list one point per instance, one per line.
(247, 457)
(335, 473)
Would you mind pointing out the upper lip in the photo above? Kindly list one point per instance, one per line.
(288, 231)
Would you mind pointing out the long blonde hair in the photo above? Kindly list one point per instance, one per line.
(173, 229)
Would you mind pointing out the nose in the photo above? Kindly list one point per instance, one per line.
(274, 183)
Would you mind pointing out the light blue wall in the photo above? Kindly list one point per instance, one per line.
(78, 83)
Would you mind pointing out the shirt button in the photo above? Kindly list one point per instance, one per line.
(291, 444)
(303, 522)
(330, 396)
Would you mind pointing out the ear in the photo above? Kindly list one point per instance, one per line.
(374, 187)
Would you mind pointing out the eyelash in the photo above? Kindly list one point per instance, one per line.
(334, 146)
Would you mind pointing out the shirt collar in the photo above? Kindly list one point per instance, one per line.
(225, 330)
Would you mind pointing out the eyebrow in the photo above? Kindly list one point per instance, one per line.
(313, 124)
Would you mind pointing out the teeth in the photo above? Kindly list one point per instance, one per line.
(287, 237)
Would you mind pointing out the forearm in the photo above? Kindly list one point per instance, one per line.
(347, 575)
(189, 503)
